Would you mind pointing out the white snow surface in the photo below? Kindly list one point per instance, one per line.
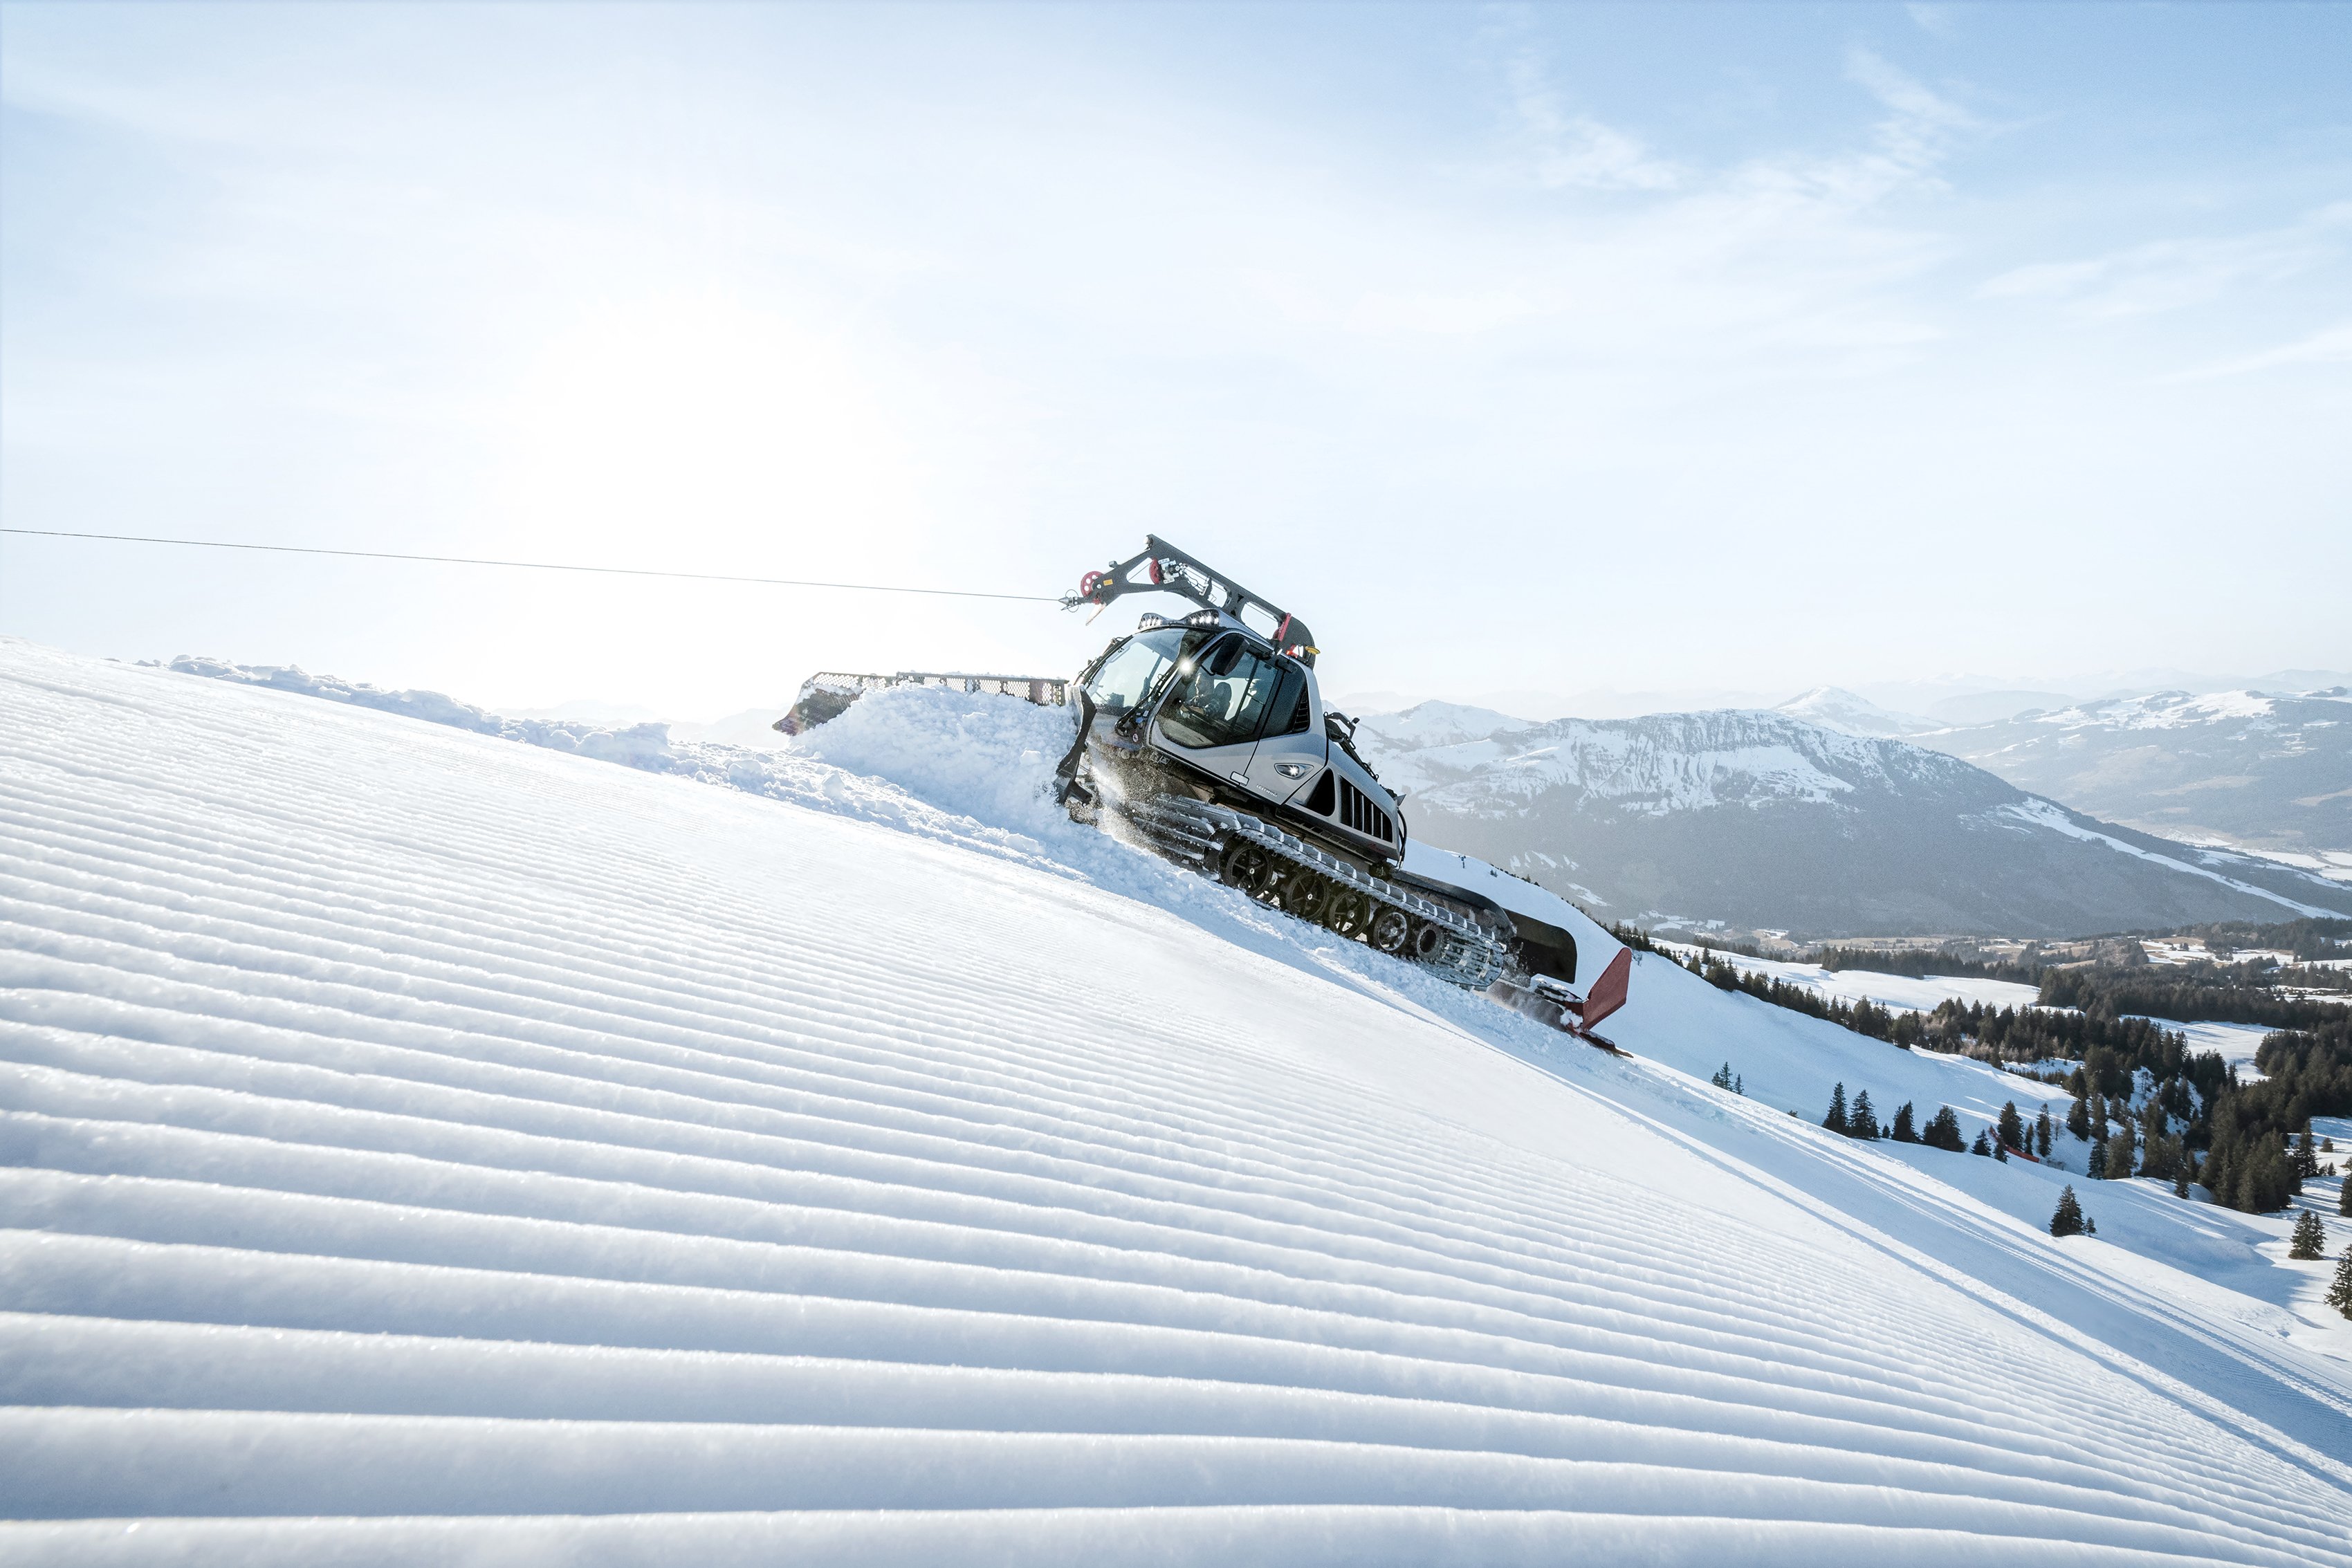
(1899, 993)
(2236, 1042)
(420, 1146)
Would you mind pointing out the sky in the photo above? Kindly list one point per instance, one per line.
(1561, 352)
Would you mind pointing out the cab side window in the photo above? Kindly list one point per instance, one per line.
(1289, 711)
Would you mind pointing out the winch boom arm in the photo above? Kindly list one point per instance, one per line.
(1170, 570)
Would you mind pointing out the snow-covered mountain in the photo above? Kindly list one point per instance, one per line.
(1435, 724)
(2268, 772)
(1760, 820)
(1834, 707)
(424, 1141)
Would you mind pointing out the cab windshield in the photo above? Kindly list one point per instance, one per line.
(1220, 697)
(1128, 676)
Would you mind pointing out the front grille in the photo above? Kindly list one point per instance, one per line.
(1357, 811)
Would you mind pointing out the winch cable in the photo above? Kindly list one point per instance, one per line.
(542, 566)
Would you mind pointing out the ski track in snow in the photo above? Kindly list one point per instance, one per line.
(415, 1145)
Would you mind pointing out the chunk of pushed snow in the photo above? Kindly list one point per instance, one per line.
(981, 756)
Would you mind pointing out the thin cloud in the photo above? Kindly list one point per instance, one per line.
(1579, 150)
(1768, 267)
(2167, 274)
(2329, 346)
(1907, 150)
(1557, 148)
(1922, 128)
(1942, 21)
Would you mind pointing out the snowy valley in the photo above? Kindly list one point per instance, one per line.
(433, 1140)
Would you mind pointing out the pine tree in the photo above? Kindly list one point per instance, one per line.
(2001, 1150)
(2042, 1133)
(2262, 1184)
(2306, 1157)
(2339, 1294)
(2180, 1179)
(1904, 1128)
(1983, 1145)
(1835, 1120)
(2096, 1167)
(1722, 1076)
(1862, 1122)
(2068, 1219)
(2344, 1198)
(2215, 1172)
(1739, 1085)
(1943, 1130)
(2310, 1238)
(2078, 1118)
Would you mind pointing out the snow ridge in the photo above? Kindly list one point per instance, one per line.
(2172, 710)
(798, 776)
(1834, 707)
(415, 1146)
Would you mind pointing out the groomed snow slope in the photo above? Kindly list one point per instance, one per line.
(418, 1145)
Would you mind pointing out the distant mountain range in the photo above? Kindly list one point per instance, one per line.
(2270, 772)
(1765, 819)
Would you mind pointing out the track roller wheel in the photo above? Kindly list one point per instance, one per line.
(1347, 911)
(1304, 894)
(1246, 866)
(1428, 940)
(1390, 929)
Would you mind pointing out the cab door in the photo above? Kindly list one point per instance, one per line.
(1291, 748)
(1211, 713)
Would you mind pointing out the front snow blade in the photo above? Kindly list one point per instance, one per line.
(1607, 994)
